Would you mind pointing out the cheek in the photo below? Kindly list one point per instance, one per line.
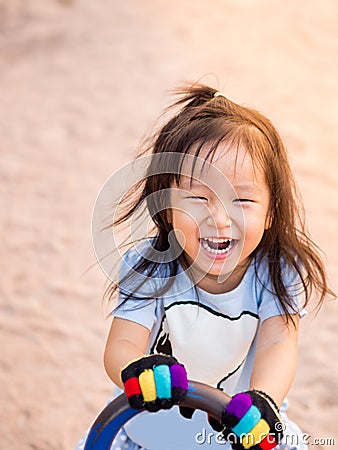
(189, 214)
(182, 221)
(254, 226)
(184, 228)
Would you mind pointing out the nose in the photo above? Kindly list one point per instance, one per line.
(218, 216)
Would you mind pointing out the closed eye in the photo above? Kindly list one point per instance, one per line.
(196, 197)
(243, 200)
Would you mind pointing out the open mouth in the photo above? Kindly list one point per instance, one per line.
(216, 246)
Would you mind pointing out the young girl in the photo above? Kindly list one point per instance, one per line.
(216, 293)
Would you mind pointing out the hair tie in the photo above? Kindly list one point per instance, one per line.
(219, 94)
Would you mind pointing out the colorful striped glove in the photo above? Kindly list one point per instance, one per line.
(155, 382)
(252, 420)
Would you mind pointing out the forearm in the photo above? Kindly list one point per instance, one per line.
(276, 359)
(116, 358)
(126, 342)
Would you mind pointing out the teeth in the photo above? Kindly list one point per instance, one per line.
(205, 244)
(217, 241)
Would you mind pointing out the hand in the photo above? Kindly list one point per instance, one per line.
(155, 382)
(252, 418)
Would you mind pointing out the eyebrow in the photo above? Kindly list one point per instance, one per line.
(247, 187)
(193, 182)
(250, 188)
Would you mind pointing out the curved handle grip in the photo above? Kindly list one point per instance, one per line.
(118, 412)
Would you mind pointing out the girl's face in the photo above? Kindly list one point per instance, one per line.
(219, 217)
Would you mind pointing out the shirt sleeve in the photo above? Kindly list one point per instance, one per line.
(269, 304)
(140, 307)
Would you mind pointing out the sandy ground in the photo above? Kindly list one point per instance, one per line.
(81, 83)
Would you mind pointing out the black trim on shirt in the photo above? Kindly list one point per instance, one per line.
(212, 311)
(229, 375)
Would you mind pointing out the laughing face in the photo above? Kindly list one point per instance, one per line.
(219, 215)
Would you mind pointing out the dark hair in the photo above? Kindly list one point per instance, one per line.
(203, 118)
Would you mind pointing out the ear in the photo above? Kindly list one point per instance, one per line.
(268, 221)
(169, 215)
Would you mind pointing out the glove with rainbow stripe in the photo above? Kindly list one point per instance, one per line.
(252, 421)
(155, 382)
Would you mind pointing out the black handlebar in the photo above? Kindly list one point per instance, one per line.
(118, 412)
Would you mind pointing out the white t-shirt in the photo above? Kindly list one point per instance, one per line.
(213, 335)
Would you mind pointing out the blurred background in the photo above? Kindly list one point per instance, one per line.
(81, 83)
